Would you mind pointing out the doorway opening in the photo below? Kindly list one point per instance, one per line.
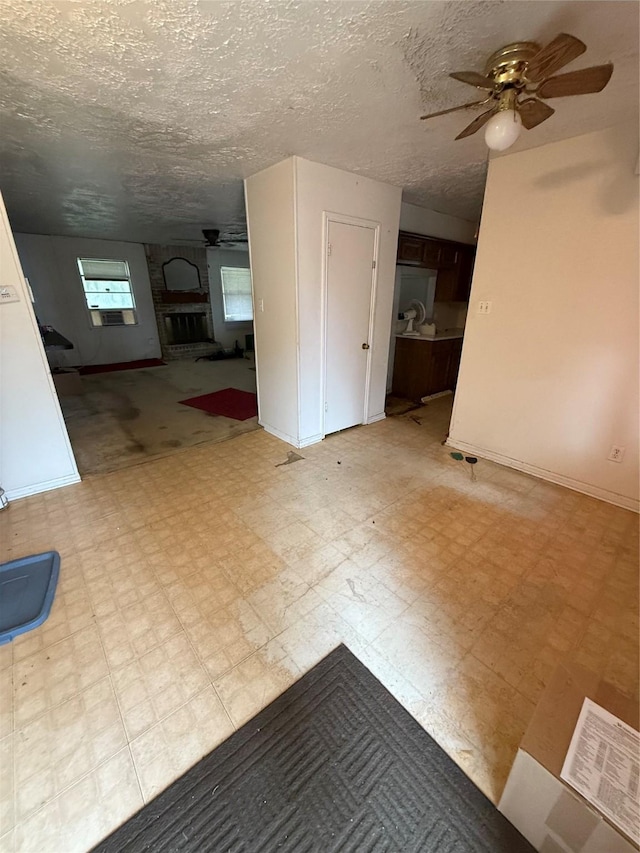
(131, 332)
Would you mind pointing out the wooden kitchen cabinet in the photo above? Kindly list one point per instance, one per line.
(453, 261)
(428, 252)
(466, 261)
(449, 253)
(411, 368)
(453, 283)
(439, 373)
(410, 249)
(454, 363)
(431, 253)
(425, 367)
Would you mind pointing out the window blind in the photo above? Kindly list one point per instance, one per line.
(236, 293)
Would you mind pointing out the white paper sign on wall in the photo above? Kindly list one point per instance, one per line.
(8, 294)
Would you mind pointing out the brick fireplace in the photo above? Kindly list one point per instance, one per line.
(184, 319)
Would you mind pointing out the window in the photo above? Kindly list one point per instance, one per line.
(107, 291)
(236, 294)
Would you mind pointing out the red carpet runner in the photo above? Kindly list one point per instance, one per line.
(230, 403)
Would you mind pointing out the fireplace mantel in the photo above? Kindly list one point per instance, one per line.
(182, 297)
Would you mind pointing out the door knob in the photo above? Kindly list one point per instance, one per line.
(365, 346)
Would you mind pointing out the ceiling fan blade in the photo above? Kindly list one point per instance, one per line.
(477, 123)
(558, 53)
(455, 109)
(583, 82)
(473, 79)
(534, 112)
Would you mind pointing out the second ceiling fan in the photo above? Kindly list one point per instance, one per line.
(517, 80)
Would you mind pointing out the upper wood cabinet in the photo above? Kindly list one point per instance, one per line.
(466, 261)
(449, 253)
(453, 261)
(453, 283)
(431, 254)
(410, 249)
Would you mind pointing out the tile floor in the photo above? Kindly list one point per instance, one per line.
(196, 588)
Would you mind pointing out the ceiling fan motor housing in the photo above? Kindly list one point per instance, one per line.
(211, 235)
(508, 66)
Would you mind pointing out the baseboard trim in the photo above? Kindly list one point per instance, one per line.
(47, 486)
(375, 418)
(550, 476)
(312, 439)
(430, 397)
(289, 439)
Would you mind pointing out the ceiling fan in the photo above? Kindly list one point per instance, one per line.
(516, 78)
(211, 239)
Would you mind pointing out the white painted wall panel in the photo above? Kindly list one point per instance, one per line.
(225, 333)
(50, 264)
(421, 220)
(549, 379)
(35, 454)
(269, 199)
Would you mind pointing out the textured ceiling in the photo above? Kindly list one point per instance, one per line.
(137, 120)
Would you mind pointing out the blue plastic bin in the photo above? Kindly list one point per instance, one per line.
(27, 588)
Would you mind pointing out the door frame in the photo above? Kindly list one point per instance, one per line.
(374, 225)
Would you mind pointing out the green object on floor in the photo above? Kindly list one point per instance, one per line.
(457, 456)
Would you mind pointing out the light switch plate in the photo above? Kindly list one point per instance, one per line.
(8, 294)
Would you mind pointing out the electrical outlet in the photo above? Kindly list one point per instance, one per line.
(484, 307)
(616, 453)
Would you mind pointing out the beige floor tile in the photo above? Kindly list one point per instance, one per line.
(252, 567)
(7, 803)
(293, 541)
(318, 563)
(360, 599)
(169, 748)
(421, 661)
(400, 687)
(6, 655)
(71, 611)
(158, 683)
(6, 701)
(52, 676)
(252, 685)
(283, 601)
(132, 631)
(64, 744)
(311, 638)
(125, 578)
(227, 636)
(200, 593)
(78, 818)
(460, 596)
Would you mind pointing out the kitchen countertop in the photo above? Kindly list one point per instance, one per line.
(444, 335)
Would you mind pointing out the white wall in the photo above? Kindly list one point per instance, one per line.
(226, 333)
(318, 189)
(35, 454)
(50, 264)
(420, 220)
(269, 198)
(549, 379)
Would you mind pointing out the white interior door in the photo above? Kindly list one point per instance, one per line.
(350, 256)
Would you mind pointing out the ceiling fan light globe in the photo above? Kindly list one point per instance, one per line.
(502, 130)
